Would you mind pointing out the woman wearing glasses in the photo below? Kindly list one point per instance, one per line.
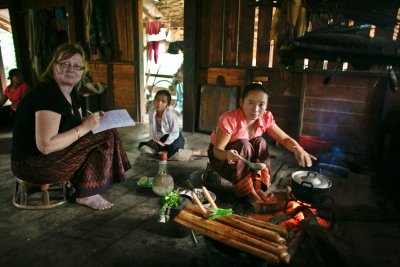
(51, 143)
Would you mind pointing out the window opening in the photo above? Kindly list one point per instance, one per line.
(255, 38)
(325, 65)
(271, 46)
(396, 27)
(163, 62)
(305, 65)
(7, 50)
(345, 66)
(372, 31)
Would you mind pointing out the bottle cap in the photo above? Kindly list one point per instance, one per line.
(164, 156)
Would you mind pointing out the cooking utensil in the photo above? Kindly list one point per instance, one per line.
(310, 187)
(199, 193)
(254, 166)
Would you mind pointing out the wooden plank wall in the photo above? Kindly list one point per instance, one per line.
(212, 13)
(231, 76)
(124, 88)
(347, 111)
(285, 95)
(263, 43)
(118, 72)
(246, 32)
(100, 73)
(123, 33)
(228, 52)
(231, 32)
(104, 70)
(227, 33)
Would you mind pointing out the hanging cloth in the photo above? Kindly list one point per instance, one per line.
(153, 27)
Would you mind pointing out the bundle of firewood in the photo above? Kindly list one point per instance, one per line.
(261, 239)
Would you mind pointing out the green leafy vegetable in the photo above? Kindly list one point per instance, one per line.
(215, 213)
(170, 200)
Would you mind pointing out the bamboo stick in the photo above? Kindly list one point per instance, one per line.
(196, 211)
(270, 226)
(229, 241)
(199, 205)
(247, 227)
(238, 235)
(209, 198)
(273, 227)
(267, 234)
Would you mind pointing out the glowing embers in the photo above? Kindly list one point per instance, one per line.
(298, 209)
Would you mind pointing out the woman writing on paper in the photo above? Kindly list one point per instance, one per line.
(51, 143)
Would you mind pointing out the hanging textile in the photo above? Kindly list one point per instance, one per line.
(174, 47)
(152, 51)
(155, 33)
(100, 37)
(153, 26)
(44, 37)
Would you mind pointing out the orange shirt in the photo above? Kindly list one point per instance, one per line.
(233, 123)
(16, 95)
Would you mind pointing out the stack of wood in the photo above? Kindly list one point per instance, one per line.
(261, 239)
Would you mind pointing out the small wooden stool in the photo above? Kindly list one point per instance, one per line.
(27, 195)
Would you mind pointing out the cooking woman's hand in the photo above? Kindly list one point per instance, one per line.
(232, 156)
(303, 158)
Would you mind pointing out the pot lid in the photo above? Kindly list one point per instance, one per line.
(311, 179)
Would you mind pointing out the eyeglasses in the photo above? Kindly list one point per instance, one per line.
(66, 65)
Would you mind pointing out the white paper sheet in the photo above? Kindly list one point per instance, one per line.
(114, 119)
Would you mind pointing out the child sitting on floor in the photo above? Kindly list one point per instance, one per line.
(164, 131)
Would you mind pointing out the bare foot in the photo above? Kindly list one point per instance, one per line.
(259, 191)
(253, 197)
(262, 203)
(200, 152)
(95, 202)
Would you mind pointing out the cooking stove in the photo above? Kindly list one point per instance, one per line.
(281, 183)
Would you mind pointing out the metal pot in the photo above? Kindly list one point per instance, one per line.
(310, 187)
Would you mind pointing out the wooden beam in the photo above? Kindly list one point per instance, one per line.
(20, 40)
(191, 62)
(138, 59)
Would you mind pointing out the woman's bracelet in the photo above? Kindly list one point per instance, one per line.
(77, 132)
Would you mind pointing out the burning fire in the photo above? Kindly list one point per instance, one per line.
(300, 216)
(292, 216)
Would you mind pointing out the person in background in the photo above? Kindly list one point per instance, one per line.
(13, 92)
(164, 131)
(240, 133)
(51, 142)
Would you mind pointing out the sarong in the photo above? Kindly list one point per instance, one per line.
(92, 164)
(239, 173)
(171, 149)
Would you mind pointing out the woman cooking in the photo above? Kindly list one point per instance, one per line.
(51, 143)
(239, 133)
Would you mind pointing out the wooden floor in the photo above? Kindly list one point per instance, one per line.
(129, 234)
